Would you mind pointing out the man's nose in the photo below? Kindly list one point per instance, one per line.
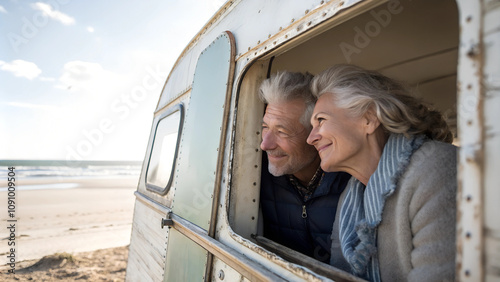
(313, 136)
(268, 141)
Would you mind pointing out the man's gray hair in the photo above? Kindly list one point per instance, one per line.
(287, 86)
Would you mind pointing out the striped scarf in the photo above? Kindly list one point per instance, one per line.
(361, 211)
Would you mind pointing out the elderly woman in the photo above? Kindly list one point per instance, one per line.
(397, 215)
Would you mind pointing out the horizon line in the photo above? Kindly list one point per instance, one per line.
(67, 162)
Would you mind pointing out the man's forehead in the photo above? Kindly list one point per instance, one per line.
(284, 115)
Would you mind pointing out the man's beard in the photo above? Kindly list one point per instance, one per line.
(290, 167)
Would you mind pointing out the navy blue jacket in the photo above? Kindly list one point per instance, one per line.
(302, 226)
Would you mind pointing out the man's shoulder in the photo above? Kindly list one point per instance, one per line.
(334, 182)
(331, 177)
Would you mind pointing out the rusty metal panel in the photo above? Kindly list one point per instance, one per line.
(491, 83)
(471, 129)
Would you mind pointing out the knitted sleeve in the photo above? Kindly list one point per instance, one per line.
(432, 213)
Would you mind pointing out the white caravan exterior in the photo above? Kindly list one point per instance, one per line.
(197, 203)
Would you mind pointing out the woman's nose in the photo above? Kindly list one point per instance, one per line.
(313, 136)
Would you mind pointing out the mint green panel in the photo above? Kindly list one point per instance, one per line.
(185, 259)
(201, 134)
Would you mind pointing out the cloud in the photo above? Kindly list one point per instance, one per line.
(53, 14)
(30, 106)
(21, 68)
(2, 9)
(92, 78)
(44, 78)
(90, 29)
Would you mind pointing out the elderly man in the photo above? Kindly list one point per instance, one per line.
(298, 199)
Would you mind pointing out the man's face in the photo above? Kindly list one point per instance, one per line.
(284, 139)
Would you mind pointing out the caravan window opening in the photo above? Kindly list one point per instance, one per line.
(161, 162)
(417, 44)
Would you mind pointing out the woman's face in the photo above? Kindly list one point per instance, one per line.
(339, 137)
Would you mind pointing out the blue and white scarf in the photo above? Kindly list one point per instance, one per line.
(362, 208)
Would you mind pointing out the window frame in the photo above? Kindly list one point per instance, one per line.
(151, 187)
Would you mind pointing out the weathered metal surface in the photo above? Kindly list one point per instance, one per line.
(471, 131)
(301, 259)
(491, 84)
(146, 258)
(248, 268)
(199, 148)
(185, 260)
(223, 272)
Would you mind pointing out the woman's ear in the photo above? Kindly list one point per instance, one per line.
(371, 121)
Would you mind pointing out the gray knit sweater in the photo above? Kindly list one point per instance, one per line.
(416, 238)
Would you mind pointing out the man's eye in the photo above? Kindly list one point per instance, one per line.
(282, 133)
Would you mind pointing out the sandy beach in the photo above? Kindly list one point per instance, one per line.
(60, 228)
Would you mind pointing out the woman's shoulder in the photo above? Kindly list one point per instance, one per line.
(435, 152)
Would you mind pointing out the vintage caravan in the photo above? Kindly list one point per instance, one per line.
(197, 203)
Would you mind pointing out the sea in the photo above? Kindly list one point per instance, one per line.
(63, 169)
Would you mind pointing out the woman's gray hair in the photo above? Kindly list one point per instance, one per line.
(287, 86)
(358, 90)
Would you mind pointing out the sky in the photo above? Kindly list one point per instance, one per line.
(79, 80)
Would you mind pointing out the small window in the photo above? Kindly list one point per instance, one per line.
(164, 152)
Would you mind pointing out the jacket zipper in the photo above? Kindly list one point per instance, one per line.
(304, 212)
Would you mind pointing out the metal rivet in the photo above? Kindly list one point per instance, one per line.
(221, 274)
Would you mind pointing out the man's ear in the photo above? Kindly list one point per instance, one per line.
(371, 121)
